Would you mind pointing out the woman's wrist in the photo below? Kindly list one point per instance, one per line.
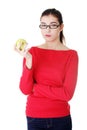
(29, 62)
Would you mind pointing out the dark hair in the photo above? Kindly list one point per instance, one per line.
(58, 15)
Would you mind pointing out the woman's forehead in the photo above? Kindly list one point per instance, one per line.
(49, 18)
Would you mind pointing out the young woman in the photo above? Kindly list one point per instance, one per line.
(49, 77)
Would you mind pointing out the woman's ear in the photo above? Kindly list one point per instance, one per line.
(61, 27)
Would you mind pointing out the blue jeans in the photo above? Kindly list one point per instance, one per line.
(62, 123)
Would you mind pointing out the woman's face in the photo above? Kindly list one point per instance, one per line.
(50, 33)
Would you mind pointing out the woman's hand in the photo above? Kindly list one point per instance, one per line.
(27, 55)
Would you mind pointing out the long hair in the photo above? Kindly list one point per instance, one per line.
(58, 15)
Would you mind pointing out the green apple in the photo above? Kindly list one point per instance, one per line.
(21, 44)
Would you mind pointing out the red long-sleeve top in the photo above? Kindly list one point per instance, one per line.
(51, 82)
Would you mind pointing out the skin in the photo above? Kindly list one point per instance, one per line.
(51, 37)
(52, 42)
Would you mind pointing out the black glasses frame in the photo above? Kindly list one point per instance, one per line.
(50, 26)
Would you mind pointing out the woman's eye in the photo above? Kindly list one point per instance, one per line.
(54, 25)
(43, 26)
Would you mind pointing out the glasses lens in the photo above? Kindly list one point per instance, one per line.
(54, 26)
(43, 26)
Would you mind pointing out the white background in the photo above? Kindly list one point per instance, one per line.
(20, 19)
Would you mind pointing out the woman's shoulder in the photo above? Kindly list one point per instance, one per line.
(43, 46)
(62, 48)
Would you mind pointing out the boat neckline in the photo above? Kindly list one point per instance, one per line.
(44, 49)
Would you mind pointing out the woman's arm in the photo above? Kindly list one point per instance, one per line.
(66, 91)
(26, 80)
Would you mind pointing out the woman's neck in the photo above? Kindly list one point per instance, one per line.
(53, 45)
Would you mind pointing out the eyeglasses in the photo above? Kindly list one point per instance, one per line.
(44, 26)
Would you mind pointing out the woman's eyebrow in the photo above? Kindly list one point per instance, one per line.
(53, 22)
(43, 23)
(50, 23)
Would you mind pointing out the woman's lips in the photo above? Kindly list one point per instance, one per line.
(47, 35)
